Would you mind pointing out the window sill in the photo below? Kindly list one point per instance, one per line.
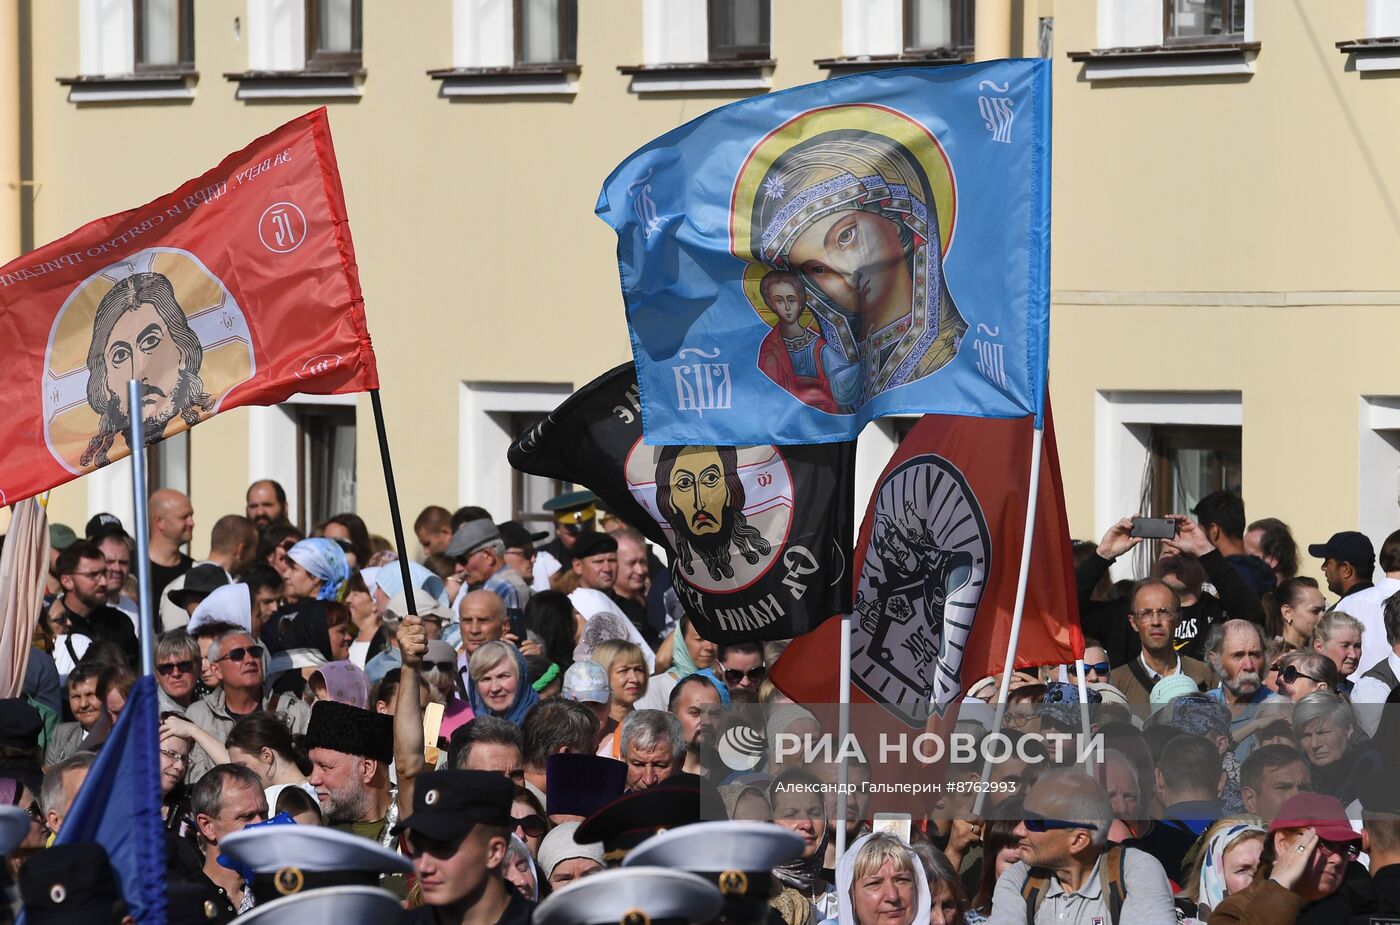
(860, 63)
(520, 80)
(1375, 54)
(699, 76)
(175, 84)
(271, 85)
(1203, 60)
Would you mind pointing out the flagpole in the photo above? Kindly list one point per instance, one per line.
(1084, 710)
(394, 515)
(1032, 497)
(843, 730)
(137, 442)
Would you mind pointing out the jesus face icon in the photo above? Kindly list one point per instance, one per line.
(140, 347)
(699, 492)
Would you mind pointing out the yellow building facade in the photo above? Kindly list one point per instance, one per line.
(1225, 219)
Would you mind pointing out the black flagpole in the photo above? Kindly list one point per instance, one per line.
(393, 499)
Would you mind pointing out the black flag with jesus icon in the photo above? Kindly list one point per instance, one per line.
(759, 537)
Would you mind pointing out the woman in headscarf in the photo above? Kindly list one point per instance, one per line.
(796, 800)
(689, 652)
(520, 870)
(1226, 863)
(880, 881)
(320, 632)
(341, 681)
(500, 684)
(317, 570)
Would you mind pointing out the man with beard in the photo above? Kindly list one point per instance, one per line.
(107, 533)
(350, 751)
(575, 514)
(83, 609)
(696, 703)
(699, 492)
(266, 503)
(1235, 652)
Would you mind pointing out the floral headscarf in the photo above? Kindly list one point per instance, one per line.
(323, 559)
(345, 683)
(1211, 892)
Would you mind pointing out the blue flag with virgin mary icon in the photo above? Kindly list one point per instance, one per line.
(797, 264)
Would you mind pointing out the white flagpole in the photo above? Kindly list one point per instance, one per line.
(1084, 712)
(843, 730)
(136, 440)
(1031, 498)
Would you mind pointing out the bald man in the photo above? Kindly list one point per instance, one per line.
(172, 526)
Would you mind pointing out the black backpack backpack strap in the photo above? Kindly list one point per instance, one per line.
(1115, 888)
(1033, 891)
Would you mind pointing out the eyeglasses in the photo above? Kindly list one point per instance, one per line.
(1347, 849)
(1291, 674)
(523, 553)
(532, 825)
(439, 666)
(176, 757)
(1018, 720)
(1100, 667)
(169, 668)
(101, 573)
(240, 653)
(734, 676)
(1157, 615)
(1035, 822)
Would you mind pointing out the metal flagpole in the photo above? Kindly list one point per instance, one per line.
(393, 500)
(843, 730)
(137, 442)
(1032, 495)
(1084, 711)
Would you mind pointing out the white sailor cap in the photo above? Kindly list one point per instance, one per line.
(14, 825)
(635, 896)
(362, 905)
(289, 859)
(736, 856)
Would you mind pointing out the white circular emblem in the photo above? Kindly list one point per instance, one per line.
(282, 227)
(741, 748)
(58, 893)
(430, 798)
(918, 588)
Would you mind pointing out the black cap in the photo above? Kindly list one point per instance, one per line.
(103, 525)
(20, 723)
(1347, 546)
(446, 804)
(70, 884)
(593, 544)
(516, 536)
(580, 785)
(634, 817)
(340, 727)
(200, 582)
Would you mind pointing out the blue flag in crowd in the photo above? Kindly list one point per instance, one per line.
(118, 805)
(799, 263)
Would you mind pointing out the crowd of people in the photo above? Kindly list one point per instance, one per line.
(530, 729)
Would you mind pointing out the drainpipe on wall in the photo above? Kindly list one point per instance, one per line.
(13, 192)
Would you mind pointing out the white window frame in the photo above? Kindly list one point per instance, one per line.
(272, 442)
(1382, 18)
(1138, 23)
(1378, 469)
(677, 32)
(276, 31)
(107, 49)
(483, 474)
(872, 27)
(483, 36)
(1123, 422)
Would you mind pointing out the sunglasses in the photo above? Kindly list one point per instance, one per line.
(240, 653)
(1346, 849)
(1100, 667)
(1035, 822)
(532, 825)
(1291, 674)
(733, 676)
(169, 668)
(439, 666)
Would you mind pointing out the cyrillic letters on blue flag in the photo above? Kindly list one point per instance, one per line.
(799, 263)
(118, 805)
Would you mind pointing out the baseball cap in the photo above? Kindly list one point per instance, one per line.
(1323, 813)
(104, 525)
(586, 682)
(447, 804)
(1347, 546)
(61, 536)
(516, 536)
(428, 607)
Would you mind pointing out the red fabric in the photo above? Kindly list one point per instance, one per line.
(994, 456)
(776, 363)
(266, 304)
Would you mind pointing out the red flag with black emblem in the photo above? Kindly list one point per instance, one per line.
(936, 567)
(238, 288)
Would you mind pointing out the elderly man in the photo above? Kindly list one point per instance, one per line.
(1154, 613)
(61, 783)
(653, 747)
(172, 526)
(482, 618)
(226, 800)
(632, 587)
(489, 743)
(1067, 863)
(481, 562)
(350, 751)
(1235, 652)
(555, 727)
(695, 701)
(235, 663)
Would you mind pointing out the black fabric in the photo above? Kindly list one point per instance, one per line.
(1168, 841)
(638, 616)
(1342, 778)
(1383, 673)
(107, 624)
(518, 912)
(162, 575)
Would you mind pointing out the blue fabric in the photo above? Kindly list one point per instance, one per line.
(525, 695)
(118, 805)
(852, 191)
(710, 675)
(325, 560)
(246, 871)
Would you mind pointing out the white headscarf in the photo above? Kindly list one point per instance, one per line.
(589, 602)
(228, 604)
(845, 873)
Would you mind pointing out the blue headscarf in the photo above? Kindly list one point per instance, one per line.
(323, 559)
(709, 675)
(525, 695)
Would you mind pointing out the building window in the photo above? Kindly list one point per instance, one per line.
(739, 30)
(163, 35)
(1188, 462)
(528, 493)
(545, 31)
(168, 464)
(333, 34)
(938, 25)
(325, 462)
(1187, 21)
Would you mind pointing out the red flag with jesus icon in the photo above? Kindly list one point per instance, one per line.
(238, 288)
